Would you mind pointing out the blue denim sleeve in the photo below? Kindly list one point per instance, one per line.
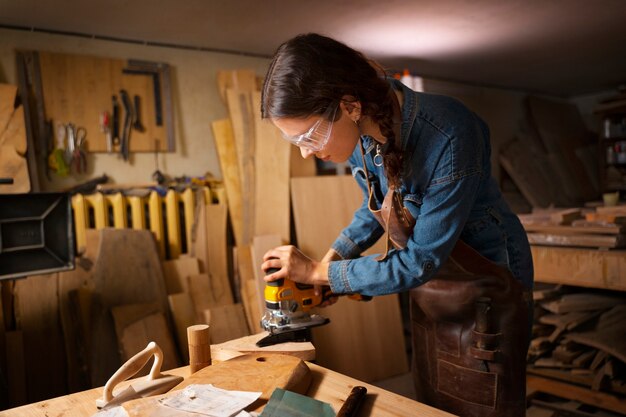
(363, 231)
(443, 213)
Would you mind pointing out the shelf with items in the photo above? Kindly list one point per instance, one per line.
(612, 145)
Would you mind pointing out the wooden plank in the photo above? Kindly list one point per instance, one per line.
(323, 206)
(184, 315)
(227, 322)
(581, 267)
(240, 79)
(37, 309)
(249, 288)
(16, 368)
(8, 93)
(225, 144)
(12, 165)
(75, 292)
(260, 245)
(576, 229)
(78, 88)
(153, 327)
(242, 119)
(609, 334)
(579, 240)
(573, 392)
(176, 272)
(134, 277)
(217, 253)
(201, 292)
(584, 301)
(15, 132)
(247, 344)
(271, 169)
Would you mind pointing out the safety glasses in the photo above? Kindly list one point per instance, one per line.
(317, 136)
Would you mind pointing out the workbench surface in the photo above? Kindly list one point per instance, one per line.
(326, 385)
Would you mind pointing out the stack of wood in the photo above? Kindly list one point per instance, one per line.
(554, 160)
(12, 142)
(600, 227)
(580, 336)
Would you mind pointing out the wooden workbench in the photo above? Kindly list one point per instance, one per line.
(326, 385)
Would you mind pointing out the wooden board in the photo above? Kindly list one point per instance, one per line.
(249, 288)
(201, 293)
(581, 267)
(37, 308)
(16, 368)
(240, 79)
(323, 206)
(247, 344)
(75, 292)
(177, 271)
(227, 322)
(217, 253)
(260, 245)
(580, 240)
(7, 100)
(571, 230)
(225, 144)
(184, 315)
(135, 276)
(78, 88)
(15, 132)
(12, 165)
(239, 103)
(253, 372)
(271, 173)
(135, 336)
(609, 335)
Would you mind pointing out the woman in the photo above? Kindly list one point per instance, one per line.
(423, 162)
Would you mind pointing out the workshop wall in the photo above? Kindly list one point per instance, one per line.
(195, 100)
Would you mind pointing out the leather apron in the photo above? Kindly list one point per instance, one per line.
(469, 327)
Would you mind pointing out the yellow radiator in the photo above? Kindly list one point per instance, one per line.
(167, 216)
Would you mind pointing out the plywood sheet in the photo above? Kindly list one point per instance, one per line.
(15, 132)
(227, 322)
(184, 315)
(227, 152)
(271, 167)
(37, 317)
(364, 339)
(217, 253)
(127, 271)
(260, 245)
(176, 272)
(14, 166)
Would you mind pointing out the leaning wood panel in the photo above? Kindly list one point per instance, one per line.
(37, 315)
(364, 339)
(272, 164)
(582, 267)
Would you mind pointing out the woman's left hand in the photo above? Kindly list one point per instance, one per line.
(295, 265)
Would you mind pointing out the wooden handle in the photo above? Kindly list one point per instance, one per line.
(350, 407)
(199, 347)
(132, 366)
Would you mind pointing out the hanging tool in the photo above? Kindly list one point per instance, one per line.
(137, 125)
(156, 382)
(56, 159)
(79, 157)
(126, 128)
(287, 310)
(115, 122)
(105, 127)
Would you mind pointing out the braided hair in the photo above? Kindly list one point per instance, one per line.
(311, 72)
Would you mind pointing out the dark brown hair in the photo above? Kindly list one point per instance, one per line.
(311, 72)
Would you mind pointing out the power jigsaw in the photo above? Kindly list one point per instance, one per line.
(288, 305)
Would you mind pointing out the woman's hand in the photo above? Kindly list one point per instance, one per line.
(295, 265)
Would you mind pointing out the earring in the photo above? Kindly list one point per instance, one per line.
(378, 158)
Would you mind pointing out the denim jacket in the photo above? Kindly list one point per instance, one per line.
(448, 188)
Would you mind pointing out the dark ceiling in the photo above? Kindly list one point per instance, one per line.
(556, 47)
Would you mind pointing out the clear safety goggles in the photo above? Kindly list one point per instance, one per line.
(317, 136)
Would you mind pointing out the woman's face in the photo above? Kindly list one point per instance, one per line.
(343, 137)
